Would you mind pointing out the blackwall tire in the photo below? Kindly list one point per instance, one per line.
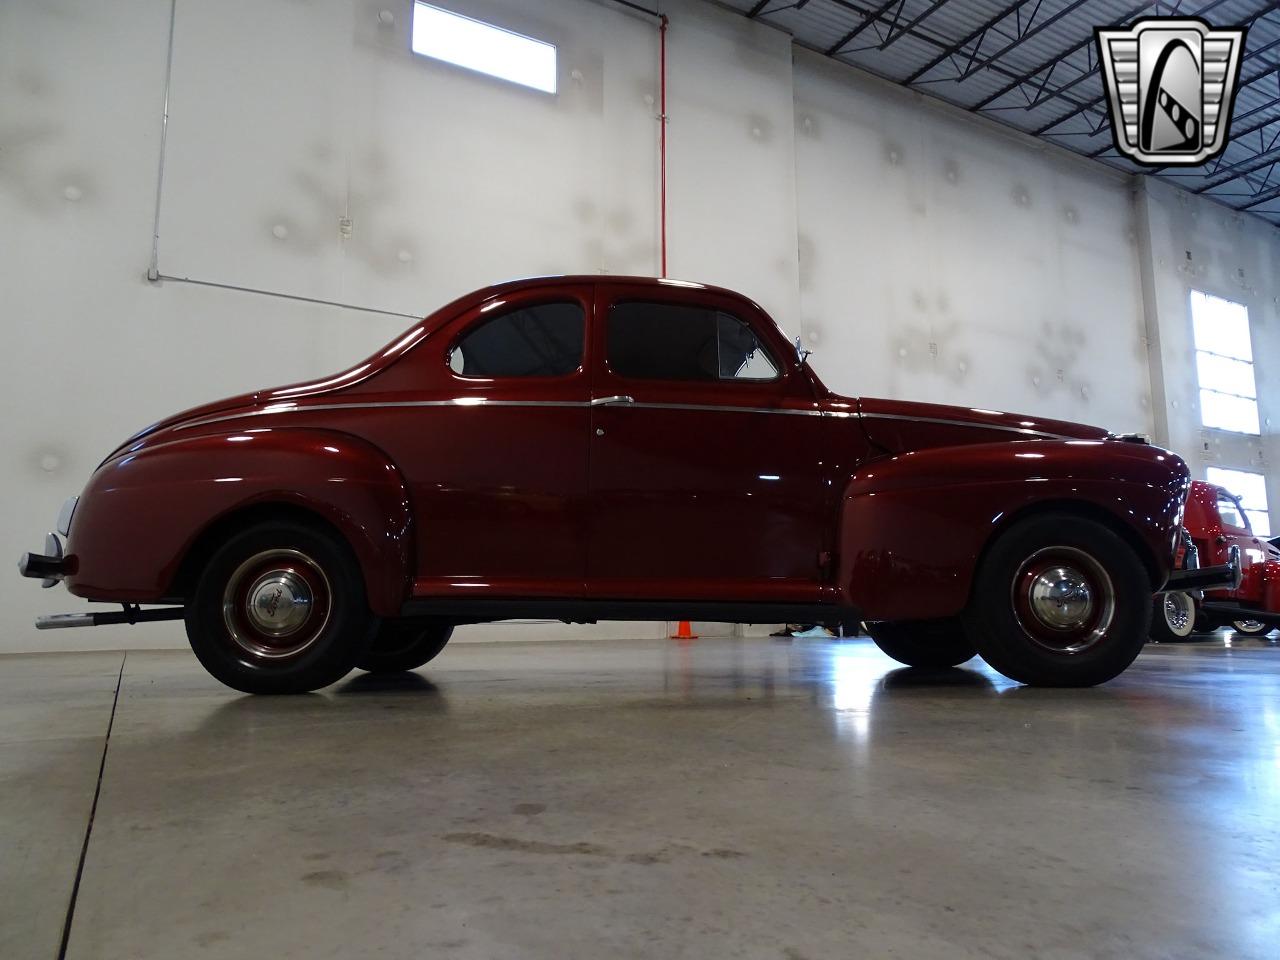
(280, 608)
(932, 644)
(401, 645)
(1060, 601)
(1173, 617)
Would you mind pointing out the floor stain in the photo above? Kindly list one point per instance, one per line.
(646, 858)
(212, 937)
(494, 842)
(723, 853)
(329, 879)
(529, 809)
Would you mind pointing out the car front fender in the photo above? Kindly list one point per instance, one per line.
(914, 527)
(143, 512)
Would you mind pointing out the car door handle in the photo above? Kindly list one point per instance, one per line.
(612, 401)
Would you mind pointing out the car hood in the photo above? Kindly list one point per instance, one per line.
(900, 425)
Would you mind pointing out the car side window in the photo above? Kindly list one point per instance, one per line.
(1230, 513)
(544, 340)
(662, 341)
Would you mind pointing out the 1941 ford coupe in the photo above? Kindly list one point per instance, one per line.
(586, 448)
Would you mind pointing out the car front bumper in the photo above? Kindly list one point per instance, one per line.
(1224, 576)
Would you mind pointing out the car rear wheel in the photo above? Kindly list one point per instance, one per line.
(402, 645)
(1251, 628)
(924, 643)
(1173, 617)
(280, 608)
(1060, 601)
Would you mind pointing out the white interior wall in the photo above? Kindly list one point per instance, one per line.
(876, 222)
(945, 260)
(1199, 245)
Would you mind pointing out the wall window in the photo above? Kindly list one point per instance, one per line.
(483, 47)
(1224, 364)
(540, 341)
(659, 341)
(1251, 489)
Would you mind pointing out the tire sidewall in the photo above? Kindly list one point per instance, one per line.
(1003, 642)
(341, 641)
(1162, 630)
(404, 645)
(929, 644)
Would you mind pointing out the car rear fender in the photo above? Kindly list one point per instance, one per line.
(914, 527)
(143, 513)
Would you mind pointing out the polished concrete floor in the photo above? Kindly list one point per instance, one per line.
(750, 798)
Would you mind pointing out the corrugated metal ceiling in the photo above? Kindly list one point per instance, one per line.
(1033, 65)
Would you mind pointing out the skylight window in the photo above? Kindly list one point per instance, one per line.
(1224, 364)
(483, 47)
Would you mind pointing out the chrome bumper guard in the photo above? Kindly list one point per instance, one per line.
(48, 567)
(1225, 576)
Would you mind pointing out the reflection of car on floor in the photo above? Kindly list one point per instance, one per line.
(585, 448)
(1215, 522)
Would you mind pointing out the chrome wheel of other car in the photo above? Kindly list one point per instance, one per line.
(931, 644)
(1059, 600)
(280, 608)
(1063, 599)
(1173, 617)
(276, 604)
(402, 645)
(1250, 628)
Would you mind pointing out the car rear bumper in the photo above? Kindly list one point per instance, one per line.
(48, 567)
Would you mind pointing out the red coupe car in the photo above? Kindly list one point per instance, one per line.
(1216, 524)
(589, 448)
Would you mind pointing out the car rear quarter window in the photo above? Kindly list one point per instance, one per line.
(544, 340)
(660, 341)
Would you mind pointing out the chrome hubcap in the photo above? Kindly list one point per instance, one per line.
(276, 604)
(279, 603)
(1061, 598)
(1178, 612)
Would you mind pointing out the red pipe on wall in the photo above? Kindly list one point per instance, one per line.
(662, 136)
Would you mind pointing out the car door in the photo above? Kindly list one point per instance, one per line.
(494, 448)
(706, 468)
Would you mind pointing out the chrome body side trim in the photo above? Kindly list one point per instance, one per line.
(619, 400)
(1025, 431)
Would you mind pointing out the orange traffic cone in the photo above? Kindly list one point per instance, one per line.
(684, 631)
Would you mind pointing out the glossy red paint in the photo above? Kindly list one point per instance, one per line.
(522, 489)
(1214, 536)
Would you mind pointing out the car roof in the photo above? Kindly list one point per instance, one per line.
(569, 279)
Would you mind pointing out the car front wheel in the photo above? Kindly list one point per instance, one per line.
(1173, 617)
(280, 608)
(932, 644)
(1060, 601)
(402, 645)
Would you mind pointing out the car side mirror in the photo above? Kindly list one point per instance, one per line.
(801, 353)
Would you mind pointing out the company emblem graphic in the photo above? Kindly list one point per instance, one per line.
(1171, 83)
